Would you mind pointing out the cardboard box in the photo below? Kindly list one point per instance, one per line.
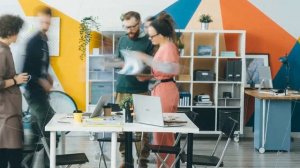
(184, 77)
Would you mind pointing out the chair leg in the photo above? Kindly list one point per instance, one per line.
(26, 159)
(102, 155)
(163, 161)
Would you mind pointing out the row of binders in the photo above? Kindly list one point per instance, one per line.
(184, 99)
(233, 70)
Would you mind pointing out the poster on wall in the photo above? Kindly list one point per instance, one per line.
(254, 62)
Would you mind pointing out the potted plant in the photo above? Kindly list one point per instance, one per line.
(205, 19)
(87, 24)
(127, 105)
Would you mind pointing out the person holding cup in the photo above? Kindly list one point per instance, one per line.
(11, 130)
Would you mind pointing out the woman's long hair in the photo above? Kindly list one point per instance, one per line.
(165, 25)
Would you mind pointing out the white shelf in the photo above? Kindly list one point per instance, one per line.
(204, 57)
(183, 81)
(229, 82)
(185, 57)
(184, 106)
(229, 107)
(216, 64)
(229, 57)
(204, 82)
(204, 106)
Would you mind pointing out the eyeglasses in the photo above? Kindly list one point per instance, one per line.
(130, 27)
(151, 37)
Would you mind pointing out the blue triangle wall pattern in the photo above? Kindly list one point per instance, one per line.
(182, 11)
(280, 82)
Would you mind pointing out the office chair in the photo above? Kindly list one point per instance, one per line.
(230, 125)
(61, 102)
(108, 139)
(175, 149)
(64, 159)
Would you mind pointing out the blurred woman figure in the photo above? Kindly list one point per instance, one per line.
(11, 130)
(165, 65)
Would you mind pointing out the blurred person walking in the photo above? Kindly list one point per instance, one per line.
(37, 64)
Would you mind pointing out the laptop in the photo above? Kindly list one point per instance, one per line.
(148, 110)
(99, 106)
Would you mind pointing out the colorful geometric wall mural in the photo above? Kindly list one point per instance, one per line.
(271, 27)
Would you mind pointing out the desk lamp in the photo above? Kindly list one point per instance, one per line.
(284, 60)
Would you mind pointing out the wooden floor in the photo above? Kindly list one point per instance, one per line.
(239, 155)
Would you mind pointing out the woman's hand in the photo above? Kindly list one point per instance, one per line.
(21, 78)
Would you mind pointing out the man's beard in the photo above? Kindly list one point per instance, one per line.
(134, 36)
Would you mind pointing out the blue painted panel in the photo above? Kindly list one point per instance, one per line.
(294, 61)
(182, 11)
(279, 82)
(278, 126)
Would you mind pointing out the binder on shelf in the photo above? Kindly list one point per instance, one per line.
(229, 70)
(233, 70)
(237, 70)
(184, 99)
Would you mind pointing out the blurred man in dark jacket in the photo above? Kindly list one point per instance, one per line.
(37, 64)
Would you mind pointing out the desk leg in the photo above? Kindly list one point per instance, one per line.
(63, 142)
(262, 148)
(128, 150)
(113, 149)
(52, 149)
(190, 151)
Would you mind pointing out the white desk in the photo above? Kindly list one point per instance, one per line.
(54, 126)
(190, 128)
(272, 120)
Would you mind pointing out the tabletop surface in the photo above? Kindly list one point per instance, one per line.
(269, 94)
(60, 122)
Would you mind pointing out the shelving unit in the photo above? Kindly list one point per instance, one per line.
(211, 116)
(99, 80)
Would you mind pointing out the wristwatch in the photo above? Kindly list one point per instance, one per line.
(15, 82)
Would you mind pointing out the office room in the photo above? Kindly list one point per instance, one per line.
(161, 83)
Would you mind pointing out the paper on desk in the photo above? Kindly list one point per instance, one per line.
(103, 120)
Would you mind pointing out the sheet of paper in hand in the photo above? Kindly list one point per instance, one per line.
(133, 64)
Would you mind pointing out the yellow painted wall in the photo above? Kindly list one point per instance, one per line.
(68, 66)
